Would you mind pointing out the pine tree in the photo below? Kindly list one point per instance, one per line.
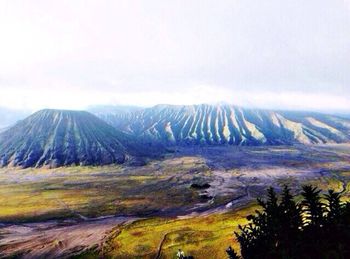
(334, 207)
(313, 208)
(311, 229)
(291, 222)
(231, 253)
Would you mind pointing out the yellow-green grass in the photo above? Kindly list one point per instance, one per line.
(336, 180)
(327, 183)
(37, 194)
(201, 236)
(33, 201)
(20, 202)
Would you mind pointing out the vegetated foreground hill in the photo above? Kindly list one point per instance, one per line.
(56, 138)
(226, 124)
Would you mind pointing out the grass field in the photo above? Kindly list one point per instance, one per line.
(205, 236)
(38, 194)
(162, 191)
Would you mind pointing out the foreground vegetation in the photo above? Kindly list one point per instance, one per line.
(316, 227)
(309, 225)
(202, 236)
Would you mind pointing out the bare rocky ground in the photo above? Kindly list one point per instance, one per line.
(221, 178)
(56, 239)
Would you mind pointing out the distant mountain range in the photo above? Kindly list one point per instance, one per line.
(59, 138)
(226, 124)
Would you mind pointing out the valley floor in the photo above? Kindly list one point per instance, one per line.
(192, 199)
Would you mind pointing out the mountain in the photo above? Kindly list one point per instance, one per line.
(103, 110)
(58, 138)
(227, 124)
(9, 117)
(344, 115)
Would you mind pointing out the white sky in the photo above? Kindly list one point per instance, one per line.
(289, 54)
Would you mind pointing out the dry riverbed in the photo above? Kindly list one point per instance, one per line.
(56, 239)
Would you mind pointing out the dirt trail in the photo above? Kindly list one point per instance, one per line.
(54, 239)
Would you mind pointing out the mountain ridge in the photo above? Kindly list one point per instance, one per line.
(62, 137)
(229, 124)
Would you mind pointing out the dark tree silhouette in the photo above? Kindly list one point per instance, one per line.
(231, 253)
(286, 229)
(334, 207)
(313, 208)
(345, 216)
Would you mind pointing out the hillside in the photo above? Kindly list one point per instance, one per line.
(57, 138)
(226, 124)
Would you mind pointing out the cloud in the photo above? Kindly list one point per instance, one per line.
(262, 53)
(72, 98)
